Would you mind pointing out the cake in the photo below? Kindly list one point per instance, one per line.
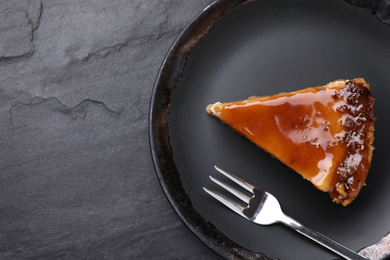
(324, 133)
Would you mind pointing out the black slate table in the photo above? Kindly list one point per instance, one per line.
(77, 179)
(76, 175)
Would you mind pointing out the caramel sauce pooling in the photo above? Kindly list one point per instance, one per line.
(316, 132)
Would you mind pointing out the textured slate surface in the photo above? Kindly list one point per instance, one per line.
(76, 176)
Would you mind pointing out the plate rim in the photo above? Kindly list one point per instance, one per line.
(168, 77)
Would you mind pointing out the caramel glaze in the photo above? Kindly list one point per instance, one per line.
(323, 133)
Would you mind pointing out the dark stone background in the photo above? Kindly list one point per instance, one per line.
(76, 175)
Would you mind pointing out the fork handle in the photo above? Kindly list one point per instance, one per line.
(321, 239)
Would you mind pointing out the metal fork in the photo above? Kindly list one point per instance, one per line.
(264, 209)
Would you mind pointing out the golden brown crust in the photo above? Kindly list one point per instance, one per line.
(359, 97)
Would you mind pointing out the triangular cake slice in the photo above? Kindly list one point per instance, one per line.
(324, 133)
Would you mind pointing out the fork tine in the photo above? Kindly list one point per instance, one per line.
(246, 185)
(236, 207)
(233, 191)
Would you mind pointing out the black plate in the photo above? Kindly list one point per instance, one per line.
(266, 47)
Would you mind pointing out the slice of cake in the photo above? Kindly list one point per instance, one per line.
(324, 133)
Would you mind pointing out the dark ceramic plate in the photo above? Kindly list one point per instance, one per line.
(233, 50)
